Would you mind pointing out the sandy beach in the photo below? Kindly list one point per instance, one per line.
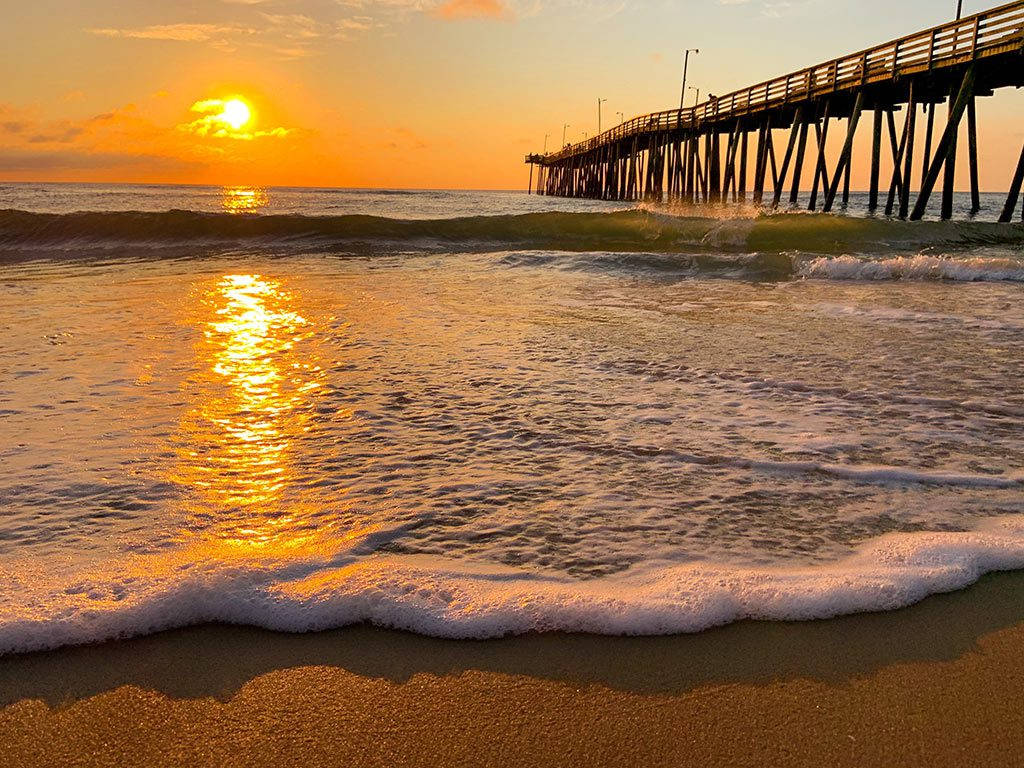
(937, 684)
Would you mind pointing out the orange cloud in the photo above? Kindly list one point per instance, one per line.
(472, 9)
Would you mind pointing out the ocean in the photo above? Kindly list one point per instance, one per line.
(469, 414)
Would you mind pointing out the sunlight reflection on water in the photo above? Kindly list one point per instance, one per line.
(256, 377)
(243, 199)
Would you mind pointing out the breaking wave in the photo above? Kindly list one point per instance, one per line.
(620, 231)
(449, 598)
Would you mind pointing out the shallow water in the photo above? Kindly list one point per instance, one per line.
(468, 442)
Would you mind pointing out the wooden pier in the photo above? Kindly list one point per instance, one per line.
(701, 154)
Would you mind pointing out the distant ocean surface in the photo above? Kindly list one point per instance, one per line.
(469, 414)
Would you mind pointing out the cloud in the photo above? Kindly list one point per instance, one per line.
(271, 25)
(472, 9)
(63, 160)
(186, 33)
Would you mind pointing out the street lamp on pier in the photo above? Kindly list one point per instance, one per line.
(686, 62)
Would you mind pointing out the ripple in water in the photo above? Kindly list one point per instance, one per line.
(476, 444)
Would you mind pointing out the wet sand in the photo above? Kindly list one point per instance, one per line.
(937, 684)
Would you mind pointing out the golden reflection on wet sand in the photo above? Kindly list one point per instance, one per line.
(255, 376)
(243, 199)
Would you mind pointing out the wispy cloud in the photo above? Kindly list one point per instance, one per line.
(189, 33)
(274, 26)
(472, 9)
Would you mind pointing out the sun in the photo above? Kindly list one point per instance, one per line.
(232, 118)
(235, 113)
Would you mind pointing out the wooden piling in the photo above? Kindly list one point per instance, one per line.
(876, 167)
(794, 133)
(744, 151)
(1011, 198)
(972, 155)
(844, 155)
(820, 171)
(946, 147)
(908, 154)
(794, 192)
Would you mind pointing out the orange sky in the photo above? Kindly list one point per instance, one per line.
(397, 93)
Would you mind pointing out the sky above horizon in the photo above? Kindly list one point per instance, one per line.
(397, 93)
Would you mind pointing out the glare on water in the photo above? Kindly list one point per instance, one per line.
(255, 377)
(243, 199)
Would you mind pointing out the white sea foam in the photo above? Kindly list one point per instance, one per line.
(454, 599)
(918, 267)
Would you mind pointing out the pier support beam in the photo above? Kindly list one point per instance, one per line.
(844, 155)
(908, 156)
(876, 150)
(947, 145)
(972, 155)
(1011, 198)
(794, 192)
(744, 151)
(794, 132)
(949, 175)
(820, 170)
(896, 183)
(928, 131)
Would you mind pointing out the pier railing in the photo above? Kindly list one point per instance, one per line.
(984, 34)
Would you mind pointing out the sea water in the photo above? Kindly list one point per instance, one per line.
(470, 414)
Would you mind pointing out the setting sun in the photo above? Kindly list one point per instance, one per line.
(236, 113)
(228, 119)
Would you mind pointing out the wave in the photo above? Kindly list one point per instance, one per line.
(448, 598)
(627, 231)
(918, 267)
(780, 266)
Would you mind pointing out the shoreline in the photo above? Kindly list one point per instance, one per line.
(937, 683)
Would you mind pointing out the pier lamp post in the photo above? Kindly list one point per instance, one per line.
(959, 9)
(546, 142)
(563, 133)
(686, 62)
(599, 114)
(622, 117)
(696, 98)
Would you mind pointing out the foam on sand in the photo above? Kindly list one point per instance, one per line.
(459, 599)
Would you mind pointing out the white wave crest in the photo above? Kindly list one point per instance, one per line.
(918, 267)
(455, 599)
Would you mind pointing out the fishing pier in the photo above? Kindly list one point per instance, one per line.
(752, 146)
